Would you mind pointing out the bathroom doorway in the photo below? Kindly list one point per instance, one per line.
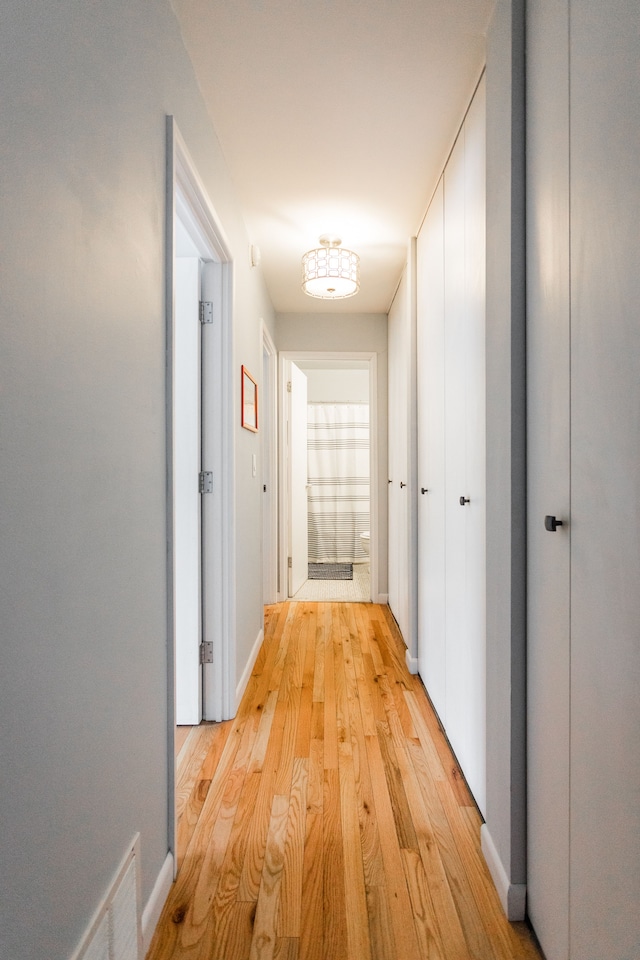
(327, 471)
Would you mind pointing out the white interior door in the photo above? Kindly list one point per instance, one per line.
(298, 481)
(196, 234)
(398, 488)
(451, 431)
(604, 918)
(456, 515)
(393, 480)
(431, 454)
(269, 468)
(473, 674)
(548, 456)
(186, 468)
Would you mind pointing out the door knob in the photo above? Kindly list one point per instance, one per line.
(464, 500)
(551, 524)
(423, 490)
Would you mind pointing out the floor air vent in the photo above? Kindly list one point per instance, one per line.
(115, 933)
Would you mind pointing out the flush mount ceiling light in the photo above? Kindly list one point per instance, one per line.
(330, 272)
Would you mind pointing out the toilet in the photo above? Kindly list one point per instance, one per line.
(364, 539)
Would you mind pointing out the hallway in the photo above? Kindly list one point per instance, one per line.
(329, 820)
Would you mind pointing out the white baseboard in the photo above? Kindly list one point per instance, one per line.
(244, 679)
(411, 662)
(157, 900)
(382, 598)
(513, 896)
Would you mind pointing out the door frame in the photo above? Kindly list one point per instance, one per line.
(187, 200)
(187, 460)
(298, 479)
(293, 356)
(269, 435)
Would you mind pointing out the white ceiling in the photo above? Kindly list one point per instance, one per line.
(335, 116)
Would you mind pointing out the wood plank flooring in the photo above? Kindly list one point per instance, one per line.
(329, 821)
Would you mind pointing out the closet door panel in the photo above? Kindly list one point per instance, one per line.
(451, 447)
(431, 453)
(605, 487)
(393, 414)
(473, 666)
(456, 516)
(399, 379)
(548, 447)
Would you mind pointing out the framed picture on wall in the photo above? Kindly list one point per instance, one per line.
(249, 401)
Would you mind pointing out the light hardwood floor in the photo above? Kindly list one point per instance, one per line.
(329, 821)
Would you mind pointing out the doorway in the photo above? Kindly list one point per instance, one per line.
(199, 416)
(328, 505)
(187, 463)
(268, 434)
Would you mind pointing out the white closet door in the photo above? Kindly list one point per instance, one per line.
(583, 345)
(464, 202)
(456, 516)
(473, 673)
(431, 454)
(548, 445)
(451, 438)
(605, 480)
(399, 534)
(392, 459)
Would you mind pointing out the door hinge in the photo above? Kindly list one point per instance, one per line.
(205, 482)
(288, 386)
(206, 651)
(289, 563)
(206, 311)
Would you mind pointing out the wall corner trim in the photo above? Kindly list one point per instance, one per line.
(157, 900)
(411, 662)
(513, 896)
(246, 673)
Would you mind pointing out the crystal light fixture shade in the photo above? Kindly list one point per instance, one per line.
(329, 272)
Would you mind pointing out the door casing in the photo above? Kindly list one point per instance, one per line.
(187, 200)
(269, 434)
(286, 358)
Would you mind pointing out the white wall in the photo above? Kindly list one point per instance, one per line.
(349, 333)
(83, 679)
(336, 386)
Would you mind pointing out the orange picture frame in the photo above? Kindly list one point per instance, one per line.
(249, 402)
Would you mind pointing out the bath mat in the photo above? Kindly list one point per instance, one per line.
(330, 571)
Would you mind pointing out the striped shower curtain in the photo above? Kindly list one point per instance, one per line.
(338, 472)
